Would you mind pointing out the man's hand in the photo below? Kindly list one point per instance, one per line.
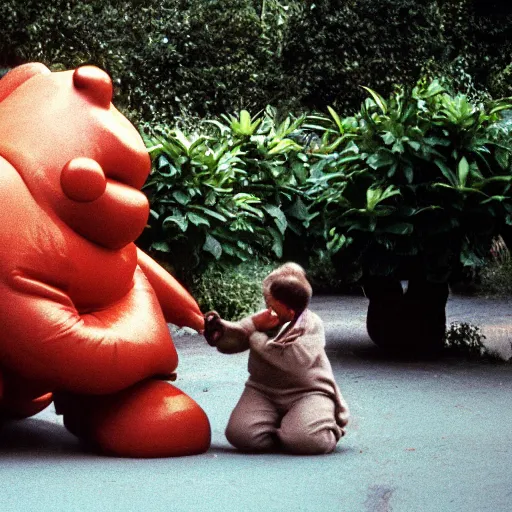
(213, 328)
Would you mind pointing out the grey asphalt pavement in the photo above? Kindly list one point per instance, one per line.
(425, 436)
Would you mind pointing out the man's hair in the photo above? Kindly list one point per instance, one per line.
(291, 288)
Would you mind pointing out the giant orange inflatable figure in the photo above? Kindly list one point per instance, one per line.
(83, 312)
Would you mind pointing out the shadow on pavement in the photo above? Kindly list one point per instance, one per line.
(35, 435)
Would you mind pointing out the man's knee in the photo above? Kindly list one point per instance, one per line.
(308, 443)
(250, 439)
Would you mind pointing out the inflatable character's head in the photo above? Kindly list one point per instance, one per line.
(81, 160)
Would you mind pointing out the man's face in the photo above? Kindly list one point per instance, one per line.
(283, 312)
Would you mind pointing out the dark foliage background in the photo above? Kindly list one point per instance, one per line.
(173, 58)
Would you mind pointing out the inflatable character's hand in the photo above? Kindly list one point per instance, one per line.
(178, 306)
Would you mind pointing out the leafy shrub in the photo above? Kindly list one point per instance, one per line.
(477, 33)
(337, 46)
(464, 339)
(229, 195)
(234, 291)
(173, 59)
(418, 184)
(168, 59)
(325, 278)
(496, 277)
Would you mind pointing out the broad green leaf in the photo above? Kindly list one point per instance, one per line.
(283, 146)
(499, 199)
(329, 148)
(388, 138)
(283, 128)
(154, 148)
(162, 162)
(277, 242)
(348, 159)
(379, 100)
(380, 159)
(299, 210)
(436, 141)
(161, 246)
(300, 171)
(222, 127)
(505, 179)
(447, 172)
(211, 213)
(463, 170)
(248, 208)
(336, 118)
(503, 157)
(409, 173)
(182, 139)
(399, 228)
(213, 246)
(211, 198)
(278, 215)
(177, 218)
(392, 170)
(376, 195)
(244, 125)
(433, 89)
(398, 147)
(245, 121)
(198, 142)
(197, 220)
(181, 197)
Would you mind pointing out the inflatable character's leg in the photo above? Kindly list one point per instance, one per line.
(150, 419)
(21, 398)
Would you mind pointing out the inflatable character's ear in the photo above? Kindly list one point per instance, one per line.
(83, 180)
(95, 84)
(20, 74)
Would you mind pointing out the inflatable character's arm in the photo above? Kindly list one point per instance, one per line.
(45, 338)
(178, 306)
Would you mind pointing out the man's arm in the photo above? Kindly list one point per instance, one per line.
(227, 337)
(233, 337)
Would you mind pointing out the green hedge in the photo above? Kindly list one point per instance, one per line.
(167, 58)
(172, 59)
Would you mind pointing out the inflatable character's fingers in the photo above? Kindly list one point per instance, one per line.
(83, 180)
(213, 328)
(95, 83)
(178, 306)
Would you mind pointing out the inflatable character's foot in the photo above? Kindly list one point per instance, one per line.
(21, 398)
(20, 409)
(150, 419)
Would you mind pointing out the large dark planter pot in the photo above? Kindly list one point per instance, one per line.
(407, 323)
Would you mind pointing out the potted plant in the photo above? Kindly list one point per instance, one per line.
(411, 189)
